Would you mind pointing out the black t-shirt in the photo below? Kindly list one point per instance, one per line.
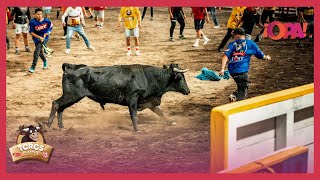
(21, 15)
(307, 12)
(176, 11)
(248, 20)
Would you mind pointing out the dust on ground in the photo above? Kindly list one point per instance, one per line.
(103, 141)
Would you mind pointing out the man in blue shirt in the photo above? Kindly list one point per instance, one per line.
(40, 29)
(238, 57)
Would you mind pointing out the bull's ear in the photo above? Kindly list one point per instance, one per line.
(165, 67)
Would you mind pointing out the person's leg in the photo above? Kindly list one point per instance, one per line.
(95, 17)
(81, 32)
(65, 27)
(26, 43)
(69, 34)
(214, 16)
(101, 14)
(144, 12)
(127, 35)
(151, 9)
(271, 15)
(242, 81)
(16, 43)
(136, 40)
(36, 54)
(225, 39)
(173, 25)
(182, 25)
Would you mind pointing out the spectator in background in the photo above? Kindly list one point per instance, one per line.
(75, 23)
(132, 23)
(90, 12)
(268, 12)
(98, 14)
(212, 11)
(40, 29)
(176, 15)
(235, 16)
(306, 15)
(47, 11)
(145, 10)
(248, 21)
(200, 15)
(21, 16)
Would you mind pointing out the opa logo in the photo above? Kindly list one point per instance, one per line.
(286, 30)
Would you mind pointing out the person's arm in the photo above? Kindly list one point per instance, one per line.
(63, 17)
(28, 14)
(82, 19)
(139, 16)
(170, 13)
(13, 14)
(223, 64)
(120, 17)
(259, 54)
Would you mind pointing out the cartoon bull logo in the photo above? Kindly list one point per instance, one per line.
(31, 133)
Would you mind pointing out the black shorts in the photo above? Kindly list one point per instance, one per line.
(198, 24)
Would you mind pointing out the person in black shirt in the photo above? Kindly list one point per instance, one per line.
(21, 16)
(248, 20)
(176, 14)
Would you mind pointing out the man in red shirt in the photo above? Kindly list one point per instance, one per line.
(200, 14)
(98, 14)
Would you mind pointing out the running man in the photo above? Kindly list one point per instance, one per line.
(200, 14)
(40, 28)
(132, 23)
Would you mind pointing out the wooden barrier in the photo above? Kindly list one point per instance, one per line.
(247, 130)
(275, 163)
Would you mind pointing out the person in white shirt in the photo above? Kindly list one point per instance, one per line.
(75, 23)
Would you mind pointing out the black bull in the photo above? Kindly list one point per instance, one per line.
(135, 86)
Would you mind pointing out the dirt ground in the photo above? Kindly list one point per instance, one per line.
(103, 141)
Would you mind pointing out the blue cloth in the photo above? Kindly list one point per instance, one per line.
(207, 74)
(239, 53)
(40, 28)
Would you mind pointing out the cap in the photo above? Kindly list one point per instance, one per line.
(239, 31)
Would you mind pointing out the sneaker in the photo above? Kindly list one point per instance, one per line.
(31, 70)
(220, 50)
(137, 52)
(47, 55)
(64, 37)
(232, 98)
(128, 53)
(171, 39)
(152, 19)
(216, 27)
(206, 40)
(27, 49)
(196, 44)
(182, 37)
(17, 51)
(45, 65)
(67, 51)
(91, 48)
(100, 26)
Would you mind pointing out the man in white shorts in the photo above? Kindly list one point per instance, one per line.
(98, 14)
(132, 23)
(21, 16)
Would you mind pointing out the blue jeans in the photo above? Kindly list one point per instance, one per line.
(214, 16)
(78, 29)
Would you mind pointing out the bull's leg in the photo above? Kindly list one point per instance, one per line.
(159, 112)
(54, 109)
(60, 105)
(133, 104)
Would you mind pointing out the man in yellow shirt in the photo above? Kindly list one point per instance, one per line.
(236, 15)
(132, 23)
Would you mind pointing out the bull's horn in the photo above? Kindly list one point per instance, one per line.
(180, 70)
(25, 129)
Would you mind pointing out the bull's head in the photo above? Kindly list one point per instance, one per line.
(178, 82)
(31, 131)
